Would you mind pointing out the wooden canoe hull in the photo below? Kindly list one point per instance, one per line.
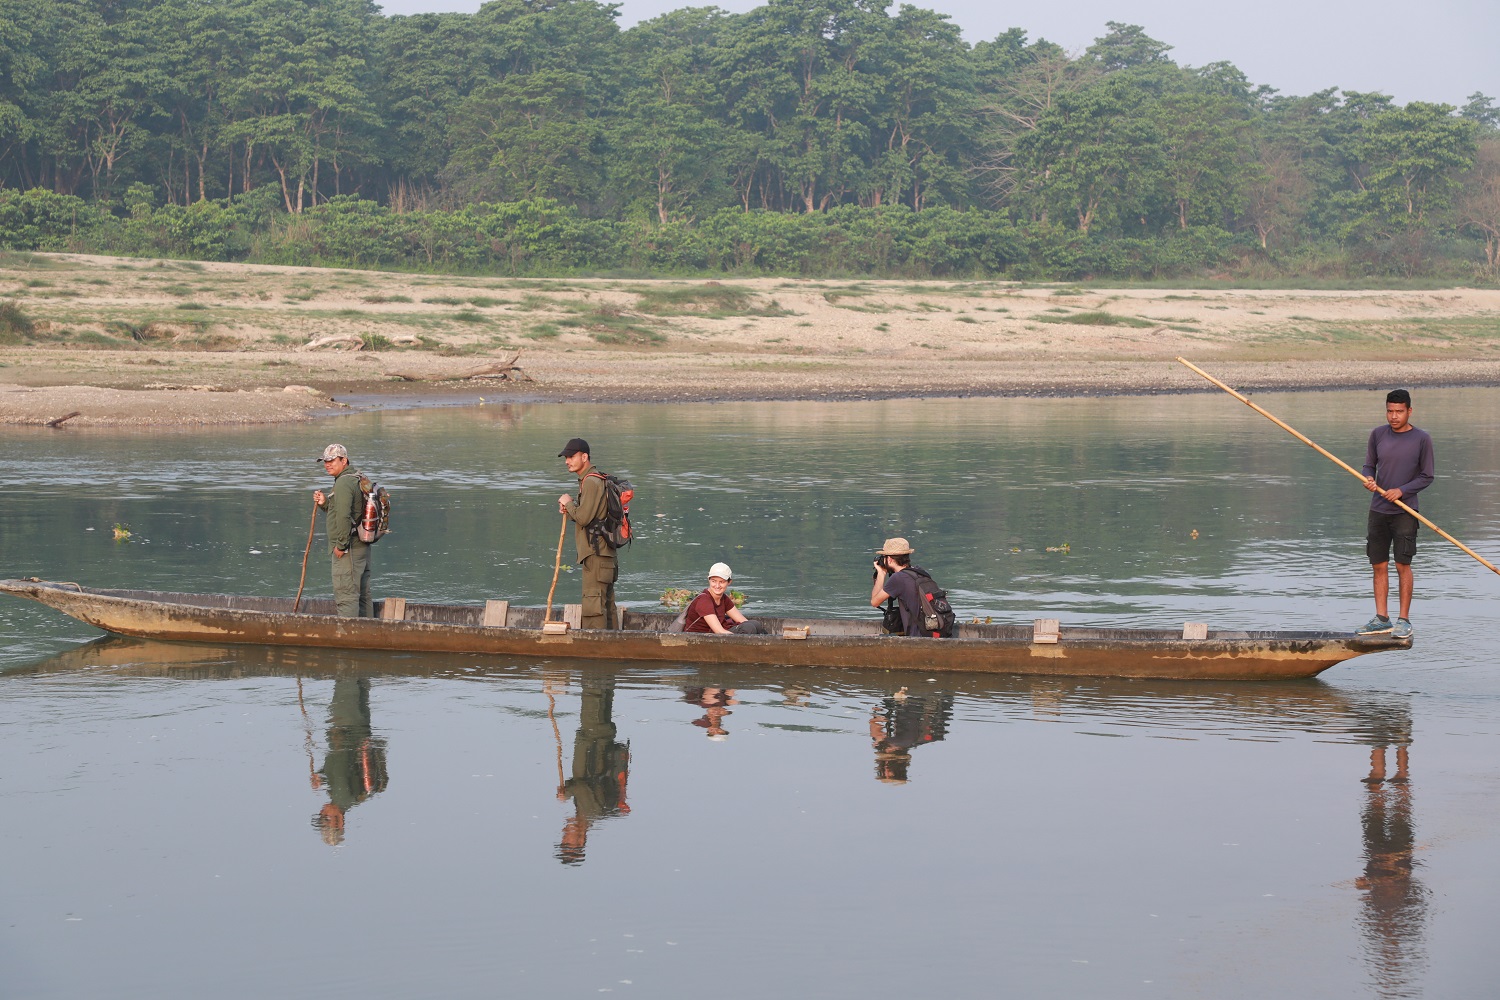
(993, 649)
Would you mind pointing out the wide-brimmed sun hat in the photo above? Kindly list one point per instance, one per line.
(895, 547)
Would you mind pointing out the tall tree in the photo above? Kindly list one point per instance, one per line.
(534, 125)
(305, 98)
(1479, 204)
(1094, 155)
(925, 115)
(1412, 158)
(801, 74)
(669, 138)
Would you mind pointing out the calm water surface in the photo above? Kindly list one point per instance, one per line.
(182, 821)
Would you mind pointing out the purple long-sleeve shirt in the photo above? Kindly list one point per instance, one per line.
(1402, 460)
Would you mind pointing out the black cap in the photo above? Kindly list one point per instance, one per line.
(573, 447)
(1399, 396)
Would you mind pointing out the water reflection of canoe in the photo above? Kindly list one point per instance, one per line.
(453, 628)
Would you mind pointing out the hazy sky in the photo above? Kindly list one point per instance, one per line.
(1442, 50)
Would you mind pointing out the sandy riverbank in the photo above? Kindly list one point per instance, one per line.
(136, 342)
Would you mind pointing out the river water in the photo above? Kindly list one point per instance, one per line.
(180, 820)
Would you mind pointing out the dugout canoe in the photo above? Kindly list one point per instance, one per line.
(404, 626)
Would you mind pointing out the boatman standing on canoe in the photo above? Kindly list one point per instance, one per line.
(598, 558)
(350, 556)
(1398, 464)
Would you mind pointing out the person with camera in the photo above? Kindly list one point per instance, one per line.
(894, 579)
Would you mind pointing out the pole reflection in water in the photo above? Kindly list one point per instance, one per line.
(601, 768)
(354, 761)
(1394, 914)
(903, 722)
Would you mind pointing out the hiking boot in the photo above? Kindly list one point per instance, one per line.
(1401, 630)
(1375, 626)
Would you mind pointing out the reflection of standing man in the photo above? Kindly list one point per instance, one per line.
(354, 765)
(1395, 903)
(1398, 463)
(351, 557)
(601, 767)
(902, 722)
(601, 568)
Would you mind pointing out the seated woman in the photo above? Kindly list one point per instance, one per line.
(714, 610)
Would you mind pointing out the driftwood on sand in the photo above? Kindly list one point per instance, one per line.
(343, 340)
(507, 369)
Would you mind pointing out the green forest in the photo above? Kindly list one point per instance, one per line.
(803, 137)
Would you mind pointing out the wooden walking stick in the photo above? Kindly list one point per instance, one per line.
(1339, 462)
(300, 583)
(548, 625)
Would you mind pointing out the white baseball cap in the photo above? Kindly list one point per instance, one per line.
(721, 570)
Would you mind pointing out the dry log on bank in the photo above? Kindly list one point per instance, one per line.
(348, 340)
(507, 370)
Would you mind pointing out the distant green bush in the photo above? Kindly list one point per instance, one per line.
(542, 237)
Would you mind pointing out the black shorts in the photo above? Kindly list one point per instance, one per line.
(1383, 529)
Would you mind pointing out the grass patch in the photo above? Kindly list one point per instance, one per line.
(381, 299)
(40, 283)
(543, 331)
(1097, 319)
(208, 342)
(609, 325)
(191, 305)
(443, 300)
(484, 302)
(21, 260)
(468, 316)
(965, 319)
(712, 300)
(15, 326)
(93, 338)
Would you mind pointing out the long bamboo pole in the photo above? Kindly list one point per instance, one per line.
(556, 567)
(301, 582)
(1339, 462)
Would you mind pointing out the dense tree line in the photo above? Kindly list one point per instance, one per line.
(802, 135)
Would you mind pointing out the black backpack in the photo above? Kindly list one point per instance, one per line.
(614, 524)
(938, 616)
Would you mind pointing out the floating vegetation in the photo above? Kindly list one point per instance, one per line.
(677, 598)
(122, 532)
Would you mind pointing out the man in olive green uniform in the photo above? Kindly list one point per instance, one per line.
(598, 559)
(351, 557)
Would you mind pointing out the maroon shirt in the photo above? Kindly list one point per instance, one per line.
(703, 605)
